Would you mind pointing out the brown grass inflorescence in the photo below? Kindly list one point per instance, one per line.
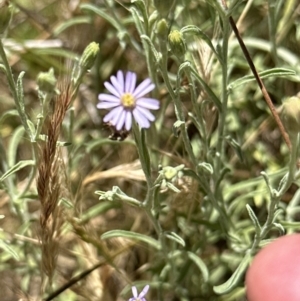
(49, 184)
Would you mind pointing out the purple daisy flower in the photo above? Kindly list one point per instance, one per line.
(127, 101)
(141, 296)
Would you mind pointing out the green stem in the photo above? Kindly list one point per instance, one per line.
(178, 106)
(9, 184)
(143, 152)
(220, 148)
(140, 141)
(199, 122)
(45, 105)
(32, 174)
(224, 99)
(13, 90)
(276, 196)
(272, 30)
(151, 65)
(149, 200)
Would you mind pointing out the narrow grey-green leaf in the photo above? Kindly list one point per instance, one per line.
(2, 68)
(254, 219)
(31, 126)
(8, 249)
(187, 65)
(274, 72)
(172, 187)
(280, 228)
(97, 210)
(20, 91)
(144, 154)
(140, 4)
(235, 277)
(290, 225)
(102, 14)
(200, 264)
(176, 127)
(175, 237)
(49, 53)
(236, 147)
(17, 167)
(192, 29)
(63, 143)
(148, 42)
(206, 168)
(13, 145)
(132, 235)
(71, 22)
(8, 114)
(66, 203)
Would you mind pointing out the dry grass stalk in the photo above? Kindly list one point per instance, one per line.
(49, 185)
(128, 171)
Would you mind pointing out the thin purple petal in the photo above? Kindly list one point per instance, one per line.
(113, 90)
(120, 77)
(130, 82)
(108, 98)
(146, 90)
(117, 84)
(128, 121)
(107, 105)
(148, 103)
(145, 113)
(143, 88)
(121, 120)
(134, 292)
(144, 292)
(109, 117)
(117, 116)
(140, 119)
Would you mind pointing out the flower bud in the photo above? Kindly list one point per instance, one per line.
(170, 173)
(290, 115)
(5, 15)
(162, 29)
(46, 81)
(89, 55)
(177, 43)
(164, 6)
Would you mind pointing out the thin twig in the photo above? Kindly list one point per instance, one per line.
(260, 82)
(74, 280)
(85, 273)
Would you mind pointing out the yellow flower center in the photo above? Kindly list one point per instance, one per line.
(128, 101)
